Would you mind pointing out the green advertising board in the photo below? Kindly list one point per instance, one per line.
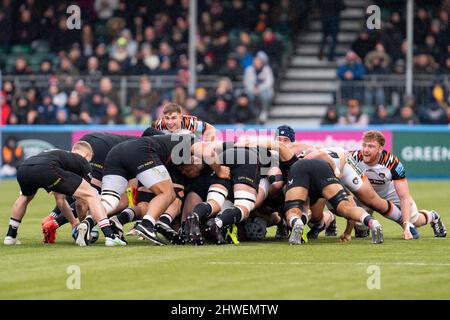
(424, 154)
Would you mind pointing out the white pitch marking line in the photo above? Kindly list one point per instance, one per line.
(413, 264)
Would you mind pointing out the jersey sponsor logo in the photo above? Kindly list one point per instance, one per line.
(355, 180)
(377, 182)
(290, 182)
(246, 179)
(54, 183)
(382, 175)
(149, 163)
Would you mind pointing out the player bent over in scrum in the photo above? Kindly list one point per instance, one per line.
(244, 172)
(62, 173)
(315, 179)
(101, 144)
(388, 177)
(354, 179)
(146, 159)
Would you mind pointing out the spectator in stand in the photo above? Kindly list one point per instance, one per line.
(421, 26)
(433, 114)
(330, 117)
(45, 68)
(74, 108)
(219, 112)
(377, 63)
(6, 109)
(146, 96)
(112, 115)
(26, 29)
(93, 68)
(259, 84)
(61, 116)
(364, 44)
(9, 92)
(96, 108)
(243, 110)
(102, 57)
(224, 89)
(232, 69)
(381, 116)
(138, 116)
(201, 96)
(406, 116)
(354, 115)
(6, 25)
(21, 66)
(114, 68)
(46, 111)
(272, 47)
(194, 109)
(349, 72)
(394, 34)
(107, 91)
(244, 55)
(330, 11)
(66, 68)
(23, 112)
(424, 64)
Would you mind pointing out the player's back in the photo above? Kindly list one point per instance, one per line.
(60, 158)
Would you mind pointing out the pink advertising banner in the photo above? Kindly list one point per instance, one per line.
(349, 140)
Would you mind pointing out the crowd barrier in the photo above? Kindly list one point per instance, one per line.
(424, 150)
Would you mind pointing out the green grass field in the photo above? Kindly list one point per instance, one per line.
(323, 269)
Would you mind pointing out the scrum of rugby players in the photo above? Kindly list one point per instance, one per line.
(193, 189)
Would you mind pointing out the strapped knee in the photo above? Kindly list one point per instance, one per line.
(217, 194)
(110, 200)
(293, 204)
(245, 199)
(203, 210)
(342, 195)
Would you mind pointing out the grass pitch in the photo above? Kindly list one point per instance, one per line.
(322, 269)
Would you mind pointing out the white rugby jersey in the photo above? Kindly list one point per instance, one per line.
(382, 174)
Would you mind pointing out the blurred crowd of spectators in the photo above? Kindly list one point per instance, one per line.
(383, 52)
(239, 40)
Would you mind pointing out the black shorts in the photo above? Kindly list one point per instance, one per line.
(200, 185)
(51, 178)
(144, 196)
(312, 174)
(130, 158)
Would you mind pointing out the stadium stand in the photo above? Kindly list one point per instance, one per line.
(94, 73)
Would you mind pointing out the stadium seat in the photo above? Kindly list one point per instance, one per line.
(20, 49)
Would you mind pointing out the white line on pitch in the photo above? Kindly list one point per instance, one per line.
(402, 264)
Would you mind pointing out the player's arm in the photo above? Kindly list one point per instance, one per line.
(64, 206)
(299, 147)
(210, 132)
(319, 154)
(402, 189)
(207, 152)
(284, 152)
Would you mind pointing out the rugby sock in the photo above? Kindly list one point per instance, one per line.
(126, 216)
(203, 210)
(55, 212)
(13, 226)
(229, 216)
(148, 221)
(304, 218)
(430, 215)
(166, 219)
(366, 219)
(106, 228)
(61, 220)
(90, 221)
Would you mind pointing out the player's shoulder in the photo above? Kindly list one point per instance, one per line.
(356, 154)
(388, 159)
